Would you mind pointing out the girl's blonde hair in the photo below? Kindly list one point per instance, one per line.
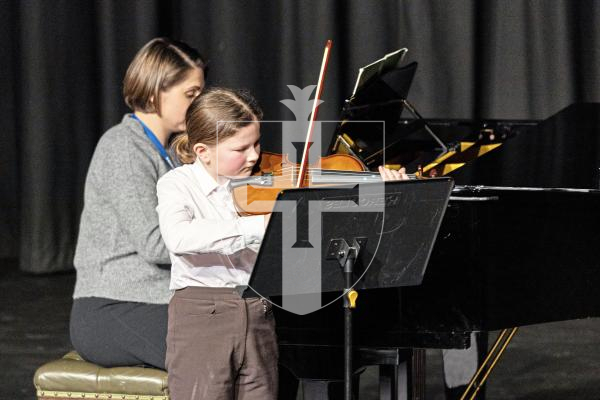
(159, 65)
(217, 111)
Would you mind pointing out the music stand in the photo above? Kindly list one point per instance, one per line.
(383, 98)
(382, 249)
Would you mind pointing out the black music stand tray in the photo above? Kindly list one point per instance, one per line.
(383, 98)
(360, 248)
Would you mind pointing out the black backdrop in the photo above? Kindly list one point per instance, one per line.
(62, 63)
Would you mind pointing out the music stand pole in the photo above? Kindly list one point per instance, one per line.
(346, 256)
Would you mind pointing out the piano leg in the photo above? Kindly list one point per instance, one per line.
(461, 365)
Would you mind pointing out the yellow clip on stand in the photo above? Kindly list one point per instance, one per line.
(352, 296)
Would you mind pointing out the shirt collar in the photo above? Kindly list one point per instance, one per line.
(208, 184)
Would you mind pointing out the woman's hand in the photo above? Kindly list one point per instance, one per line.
(392, 174)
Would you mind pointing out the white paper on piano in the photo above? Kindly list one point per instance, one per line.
(386, 63)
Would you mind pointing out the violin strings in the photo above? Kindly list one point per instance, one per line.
(329, 171)
(292, 177)
(292, 171)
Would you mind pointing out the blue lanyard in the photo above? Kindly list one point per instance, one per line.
(163, 153)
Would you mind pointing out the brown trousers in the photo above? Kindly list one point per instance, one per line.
(220, 346)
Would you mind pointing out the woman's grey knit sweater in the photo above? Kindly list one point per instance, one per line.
(120, 254)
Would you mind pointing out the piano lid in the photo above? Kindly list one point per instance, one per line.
(562, 151)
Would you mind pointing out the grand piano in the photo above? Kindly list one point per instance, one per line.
(516, 246)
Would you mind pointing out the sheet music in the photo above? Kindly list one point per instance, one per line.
(388, 62)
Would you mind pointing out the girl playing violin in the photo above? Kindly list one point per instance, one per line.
(219, 345)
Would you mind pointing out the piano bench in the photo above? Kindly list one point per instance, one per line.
(384, 355)
(71, 377)
(401, 371)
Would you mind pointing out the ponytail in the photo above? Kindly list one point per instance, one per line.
(181, 147)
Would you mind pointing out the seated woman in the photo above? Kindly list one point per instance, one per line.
(119, 314)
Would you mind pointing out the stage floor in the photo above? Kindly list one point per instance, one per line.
(558, 361)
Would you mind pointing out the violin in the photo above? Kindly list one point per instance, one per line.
(275, 172)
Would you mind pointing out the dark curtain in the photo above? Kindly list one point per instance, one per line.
(62, 63)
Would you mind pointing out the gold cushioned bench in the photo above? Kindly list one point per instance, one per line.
(71, 377)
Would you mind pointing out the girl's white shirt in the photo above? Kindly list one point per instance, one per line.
(209, 244)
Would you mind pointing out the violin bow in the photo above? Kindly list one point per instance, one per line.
(313, 115)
